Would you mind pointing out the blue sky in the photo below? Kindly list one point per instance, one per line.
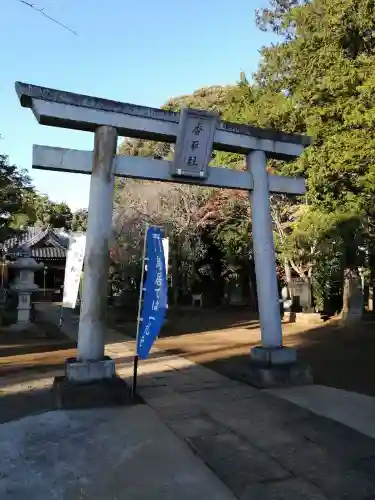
(142, 52)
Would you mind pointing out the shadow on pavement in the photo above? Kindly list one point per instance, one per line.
(22, 404)
(340, 356)
(184, 321)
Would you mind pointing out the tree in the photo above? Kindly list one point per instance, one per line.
(40, 210)
(318, 80)
(60, 215)
(228, 217)
(15, 186)
(276, 18)
(79, 220)
(211, 98)
(175, 207)
(320, 74)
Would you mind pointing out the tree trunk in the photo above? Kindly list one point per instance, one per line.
(372, 284)
(288, 279)
(345, 295)
(175, 275)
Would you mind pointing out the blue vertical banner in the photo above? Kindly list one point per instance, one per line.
(155, 293)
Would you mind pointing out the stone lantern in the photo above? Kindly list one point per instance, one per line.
(24, 285)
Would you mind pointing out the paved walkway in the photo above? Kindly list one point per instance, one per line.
(349, 408)
(104, 454)
(259, 446)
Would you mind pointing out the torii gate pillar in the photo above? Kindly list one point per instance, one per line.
(264, 257)
(271, 364)
(92, 321)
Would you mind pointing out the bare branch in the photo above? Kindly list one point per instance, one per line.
(41, 11)
(297, 269)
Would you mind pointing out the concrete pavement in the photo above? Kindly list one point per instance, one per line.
(257, 445)
(260, 446)
(349, 408)
(106, 454)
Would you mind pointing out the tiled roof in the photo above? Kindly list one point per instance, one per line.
(25, 241)
(43, 253)
(22, 238)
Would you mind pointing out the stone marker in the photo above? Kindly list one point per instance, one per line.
(24, 286)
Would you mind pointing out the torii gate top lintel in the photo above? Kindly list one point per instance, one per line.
(77, 111)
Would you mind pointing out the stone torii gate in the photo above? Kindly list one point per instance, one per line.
(195, 134)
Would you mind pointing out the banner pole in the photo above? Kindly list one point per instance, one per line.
(61, 316)
(136, 357)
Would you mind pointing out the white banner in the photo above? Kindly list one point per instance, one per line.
(73, 269)
(165, 243)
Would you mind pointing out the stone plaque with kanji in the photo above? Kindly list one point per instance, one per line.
(194, 143)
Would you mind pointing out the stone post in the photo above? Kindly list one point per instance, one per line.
(90, 379)
(91, 363)
(92, 323)
(264, 253)
(267, 359)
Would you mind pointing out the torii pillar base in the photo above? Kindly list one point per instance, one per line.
(90, 385)
(276, 367)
